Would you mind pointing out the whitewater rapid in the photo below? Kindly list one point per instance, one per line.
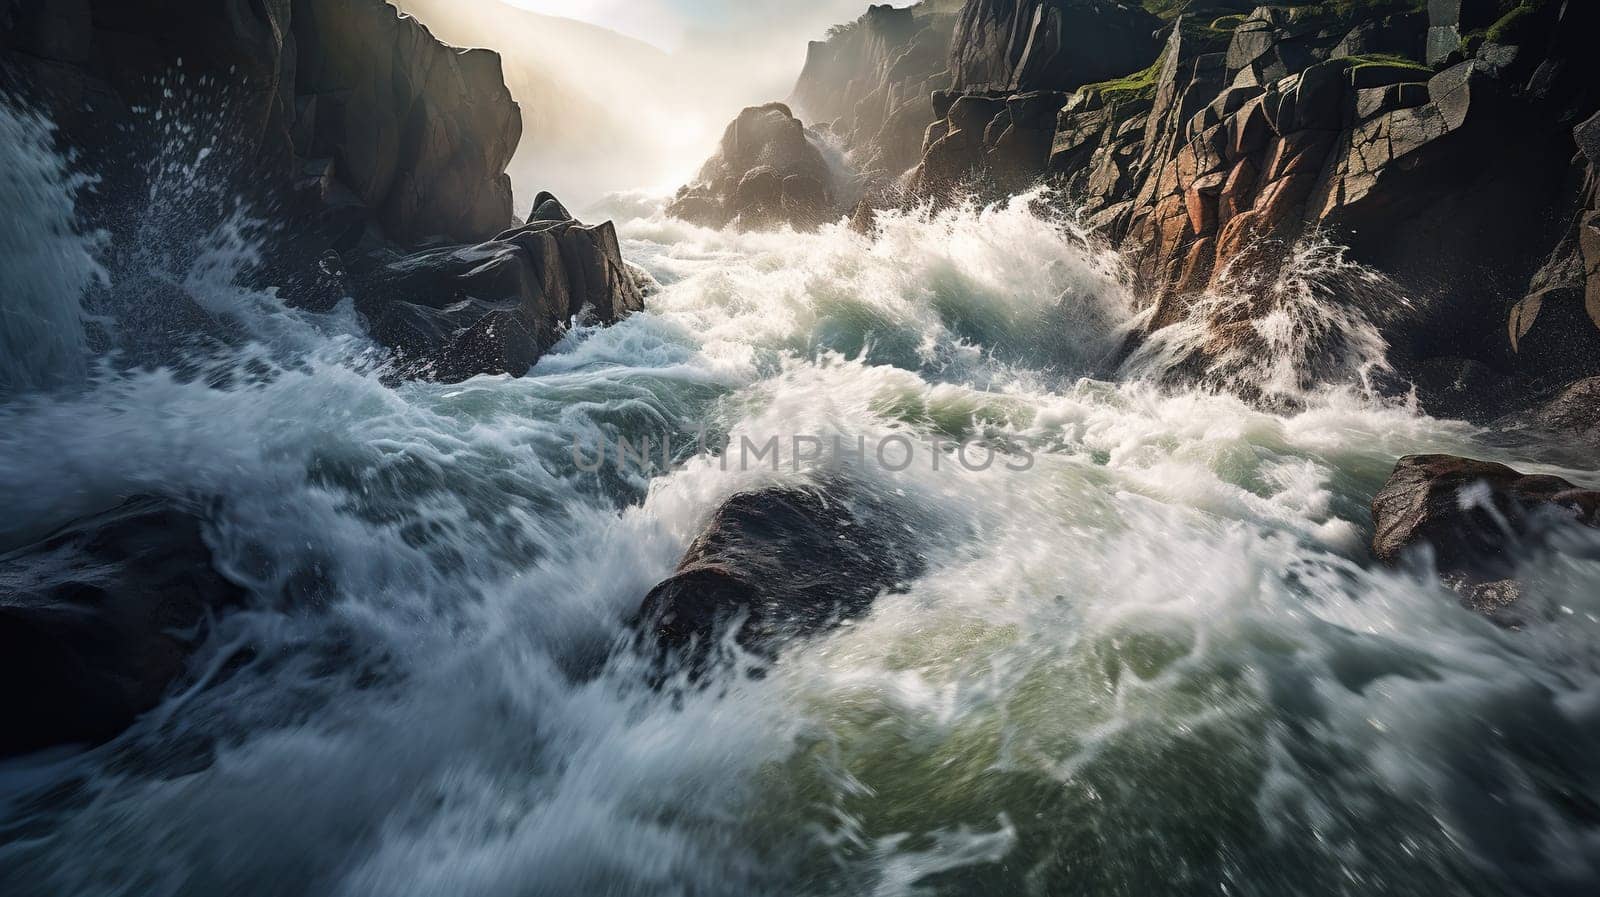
(1158, 661)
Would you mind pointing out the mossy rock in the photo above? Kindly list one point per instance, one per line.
(1137, 86)
(1388, 60)
(1516, 23)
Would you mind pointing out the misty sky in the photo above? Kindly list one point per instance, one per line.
(666, 23)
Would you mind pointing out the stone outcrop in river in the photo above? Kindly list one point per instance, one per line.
(495, 307)
(1482, 522)
(766, 171)
(343, 119)
(779, 564)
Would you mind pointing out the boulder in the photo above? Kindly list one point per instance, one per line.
(1481, 520)
(779, 564)
(97, 622)
(495, 307)
(766, 172)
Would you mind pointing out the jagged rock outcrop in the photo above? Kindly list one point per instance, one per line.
(1449, 147)
(418, 132)
(1002, 142)
(1013, 67)
(1023, 45)
(97, 622)
(1245, 141)
(766, 172)
(1481, 520)
(779, 564)
(495, 307)
(872, 82)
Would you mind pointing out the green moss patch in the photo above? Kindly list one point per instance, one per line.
(1386, 59)
(1509, 27)
(1137, 86)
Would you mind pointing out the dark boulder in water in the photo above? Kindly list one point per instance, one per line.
(766, 173)
(780, 564)
(1482, 521)
(495, 307)
(97, 621)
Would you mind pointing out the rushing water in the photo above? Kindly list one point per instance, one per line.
(1157, 661)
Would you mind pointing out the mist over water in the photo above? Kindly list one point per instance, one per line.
(651, 114)
(1156, 662)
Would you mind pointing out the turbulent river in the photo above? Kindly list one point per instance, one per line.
(1155, 660)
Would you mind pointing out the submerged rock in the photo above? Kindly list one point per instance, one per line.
(1481, 520)
(779, 564)
(766, 173)
(97, 621)
(495, 307)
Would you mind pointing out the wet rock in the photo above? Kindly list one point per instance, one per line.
(495, 307)
(1481, 520)
(766, 173)
(779, 564)
(1573, 412)
(97, 621)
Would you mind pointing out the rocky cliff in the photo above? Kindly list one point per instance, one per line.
(872, 81)
(418, 132)
(1450, 145)
(343, 121)
(1020, 45)
(1259, 131)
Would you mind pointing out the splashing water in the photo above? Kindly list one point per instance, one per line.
(1155, 662)
(1278, 332)
(46, 265)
